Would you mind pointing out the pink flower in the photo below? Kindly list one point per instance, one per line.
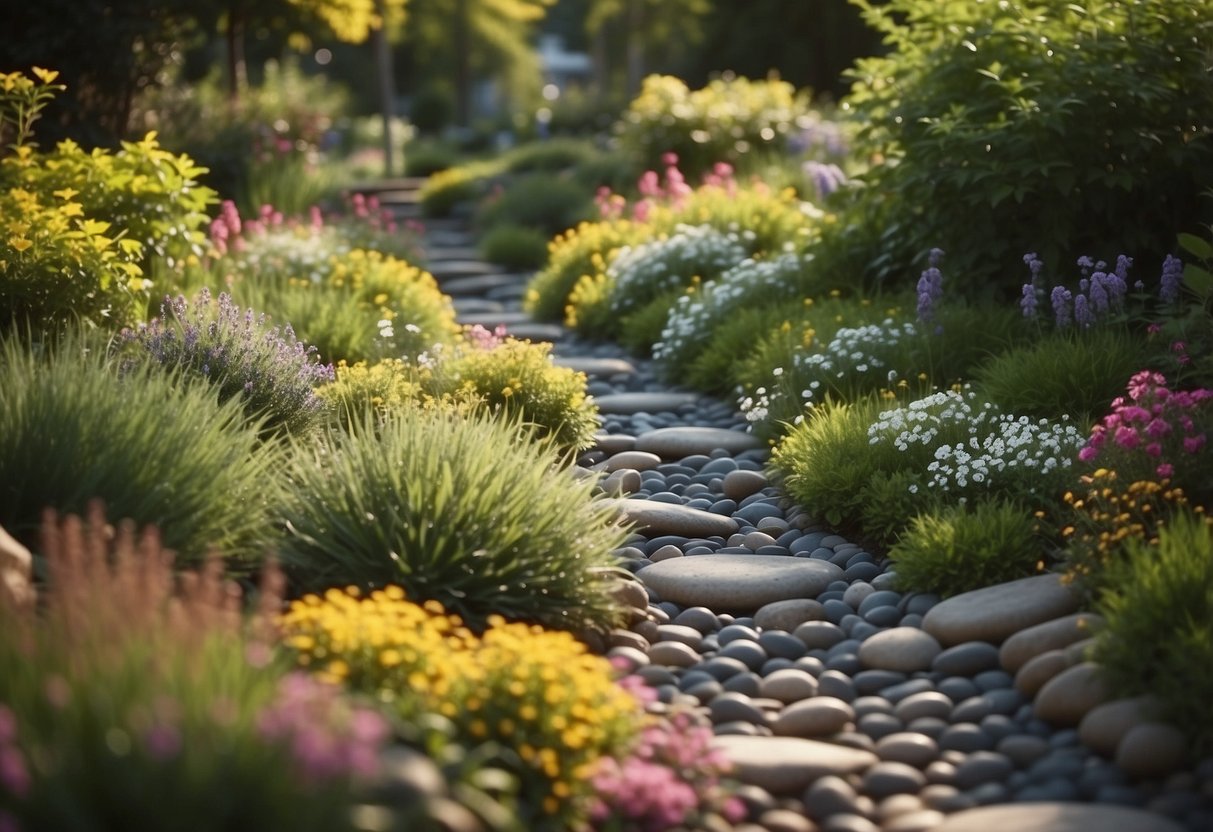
(649, 184)
(1158, 428)
(1165, 470)
(1154, 329)
(1154, 450)
(1178, 346)
(669, 159)
(1192, 444)
(14, 776)
(1127, 438)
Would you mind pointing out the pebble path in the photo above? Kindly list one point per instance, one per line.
(845, 705)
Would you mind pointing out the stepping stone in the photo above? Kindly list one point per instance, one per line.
(490, 320)
(597, 367)
(437, 238)
(1057, 817)
(655, 518)
(473, 306)
(395, 183)
(679, 442)
(476, 284)
(737, 583)
(448, 269)
(443, 254)
(628, 403)
(403, 210)
(537, 332)
(446, 225)
(788, 765)
(512, 291)
(996, 612)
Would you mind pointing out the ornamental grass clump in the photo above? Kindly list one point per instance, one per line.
(464, 508)
(132, 697)
(75, 425)
(533, 701)
(1158, 636)
(272, 374)
(967, 547)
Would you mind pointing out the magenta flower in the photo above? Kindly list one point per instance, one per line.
(1127, 438)
(14, 776)
(1165, 470)
(1192, 444)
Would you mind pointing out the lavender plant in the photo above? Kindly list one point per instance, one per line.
(272, 373)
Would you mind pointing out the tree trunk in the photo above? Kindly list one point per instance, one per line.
(463, 65)
(237, 69)
(636, 45)
(387, 90)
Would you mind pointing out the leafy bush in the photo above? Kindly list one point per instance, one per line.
(716, 368)
(967, 547)
(639, 330)
(273, 374)
(129, 697)
(584, 250)
(725, 121)
(670, 262)
(423, 157)
(534, 700)
(552, 155)
(1043, 128)
(360, 387)
(542, 201)
(468, 510)
(72, 428)
(1158, 638)
(1064, 373)
(446, 189)
(515, 246)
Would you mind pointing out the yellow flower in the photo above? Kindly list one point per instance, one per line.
(19, 243)
(46, 76)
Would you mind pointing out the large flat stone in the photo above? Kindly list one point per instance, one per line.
(679, 442)
(627, 403)
(1057, 817)
(655, 518)
(477, 284)
(737, 583)
(596, 367)
(996, 612)
(491, 319)
(1027, 644)
(788, 765)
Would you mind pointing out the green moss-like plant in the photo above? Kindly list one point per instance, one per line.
(464, 509)
(515, 246)
(967, 547)
(542, 201)
(1158, 639)
(73, 428)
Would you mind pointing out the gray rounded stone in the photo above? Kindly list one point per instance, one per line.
(994, 613)
(785, 820)
(903, 649)
(657, 518)
(1105, 725)
(679, 442)
(788, 685)
(1039, 670)
(673, 654)
(788, 765)
(736, 583)
(819, 634)
(966, 659)
(622, 482)
(1023, 749)
(788, 615)
(647, 402)
(983, 767)
(848, 823)
(916, 821)
(739, 484)
(1070, 695)
(830, 796)
(885, 779)
(1056, 634)
(837, 684)
(816, 717)
(908, 747)
(701, 618)
(1056, 817)
(633, 460)
(734, 707)
(782, 644)
(1151, 749)
(927, 703)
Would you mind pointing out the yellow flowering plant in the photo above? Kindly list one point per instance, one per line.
(546, 708)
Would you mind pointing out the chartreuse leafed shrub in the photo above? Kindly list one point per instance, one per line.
(1158, 638)
(1067, 372)
(75, 425)
(967, 547)
(534, 701)
(551, 155)
(583, 251)
(458, 507)
(504, 377)
(543, 201)
(273, 374)
(726, 121)
(1013, 127)
(515, 246)
(132, 699)
(444, 190)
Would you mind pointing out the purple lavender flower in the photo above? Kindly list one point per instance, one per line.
(1085, 263)
(1097, 295)
(930, 287)
(1083, 316)
(1061, 299)
(1172, 278)
(825, 176)
(1028, 302)
(1123, 264)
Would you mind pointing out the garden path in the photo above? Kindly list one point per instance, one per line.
(845, 705)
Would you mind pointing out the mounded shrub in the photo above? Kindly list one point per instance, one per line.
(582, 251)
(543, 201)
(74, 428)
(967, 547)
(461, 508)
(515, 246)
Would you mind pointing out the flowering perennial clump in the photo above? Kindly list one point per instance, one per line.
(645, 271)
(694, 316)
(930, 288)
(273, 373)
(538, 693)
(1102, 293)
(976, 447)
(1153, 424)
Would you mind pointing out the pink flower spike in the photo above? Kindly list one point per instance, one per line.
(669, 159)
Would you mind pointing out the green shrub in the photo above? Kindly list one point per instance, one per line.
(1064, 373)
(1158, 638)
(583, 251)
(128, 697)
(425, 158)
(726, 121)
(715, 368)
(465, 510)
(464, 184)
(515, 246)
(362, 388)
(73, 429)
(967, 547)
(542, 201)
(640, 329)
(268, 370)
(291, 184)
(770, 222)
(589, 308)
(552, 155)
(1034, 126)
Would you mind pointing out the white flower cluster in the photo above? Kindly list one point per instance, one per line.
(293, 252)
(853, 350)
(642, 272)
(694, 317)
(980, 446)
